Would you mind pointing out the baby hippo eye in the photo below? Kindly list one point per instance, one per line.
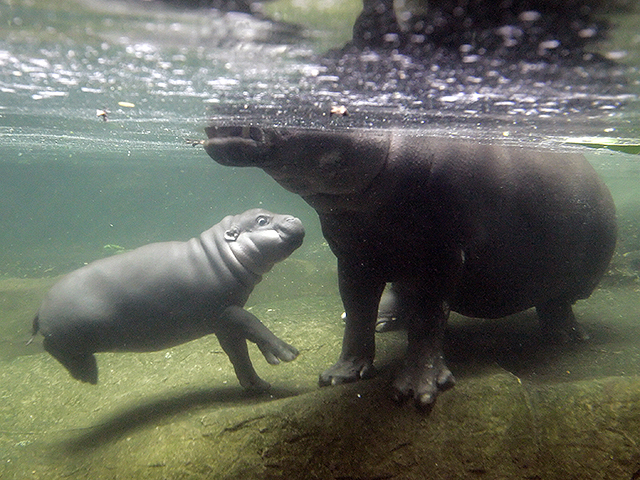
(262, 221)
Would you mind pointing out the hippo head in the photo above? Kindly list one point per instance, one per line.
(308, 162)
(259, 239)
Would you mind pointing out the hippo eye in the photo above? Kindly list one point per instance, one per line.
(262, 221)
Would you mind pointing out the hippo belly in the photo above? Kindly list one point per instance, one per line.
(521, 266)
(135, 301)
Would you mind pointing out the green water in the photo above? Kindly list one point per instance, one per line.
(75, 188)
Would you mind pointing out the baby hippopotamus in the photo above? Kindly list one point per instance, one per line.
(168, 293)
(483, 230)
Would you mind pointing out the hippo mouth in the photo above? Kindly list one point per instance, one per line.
(238, 146)
(251, 146)
(291, 231)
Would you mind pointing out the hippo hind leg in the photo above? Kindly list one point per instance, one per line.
(82, 367)
(558, 322)
(424, 374)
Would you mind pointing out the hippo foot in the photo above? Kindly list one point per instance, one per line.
(570, 334)
(82, 367)
(423, 384)
(558, 323)
(278, 350)
(347, 371)
(255, 385)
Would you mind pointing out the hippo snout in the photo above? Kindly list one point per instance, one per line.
(291, 228)
(238, 145)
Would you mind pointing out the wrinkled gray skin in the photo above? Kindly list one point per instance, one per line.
(483, 230)
(165, 294)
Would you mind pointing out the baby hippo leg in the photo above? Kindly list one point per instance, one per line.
(236, 325)
(235, 346)
(82, 366)
(390, 315)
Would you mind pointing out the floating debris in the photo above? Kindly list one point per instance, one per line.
(339, 110)
(102, 113)
(113, 248)
(614, 144)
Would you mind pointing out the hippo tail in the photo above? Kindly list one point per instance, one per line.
(34, 331)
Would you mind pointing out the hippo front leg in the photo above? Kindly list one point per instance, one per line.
(360, 299)
(235, 327)
(237, 319)
(235, 346)
(424, 374)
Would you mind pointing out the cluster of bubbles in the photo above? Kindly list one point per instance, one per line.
(488, 60)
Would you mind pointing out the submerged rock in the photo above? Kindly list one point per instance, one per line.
(494, 426)
(521, 409)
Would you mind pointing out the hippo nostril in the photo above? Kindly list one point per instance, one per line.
(256, 134)
(251, 133)
(231, 131)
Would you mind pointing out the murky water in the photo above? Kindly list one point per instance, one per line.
(102, 105)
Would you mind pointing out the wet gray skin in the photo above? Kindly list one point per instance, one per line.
(482, 230)
(168, 293)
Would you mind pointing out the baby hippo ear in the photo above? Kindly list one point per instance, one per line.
(231, 235)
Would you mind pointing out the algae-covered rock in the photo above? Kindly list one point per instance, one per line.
(521, 409)
(492, 426)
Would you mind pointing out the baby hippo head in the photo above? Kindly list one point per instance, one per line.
(259, 239)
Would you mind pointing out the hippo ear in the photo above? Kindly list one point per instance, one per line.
(231, 235)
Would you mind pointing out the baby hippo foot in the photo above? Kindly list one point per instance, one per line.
(347, 371)
(386, 323)
(390, 324)
(390, 317)
(275, 350)
(422, 381)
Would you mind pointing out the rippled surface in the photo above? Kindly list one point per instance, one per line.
(175, 69)
(59, 67)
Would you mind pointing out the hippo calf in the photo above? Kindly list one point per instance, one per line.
(168, 293)
(482, 230)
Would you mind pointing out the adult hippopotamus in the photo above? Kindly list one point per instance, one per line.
(168, 293)
(483, 230)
